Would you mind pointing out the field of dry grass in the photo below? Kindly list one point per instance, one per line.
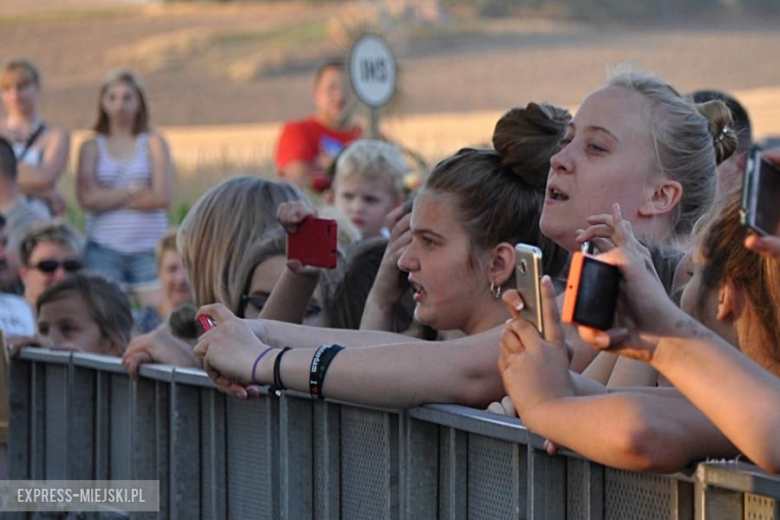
(221, 77)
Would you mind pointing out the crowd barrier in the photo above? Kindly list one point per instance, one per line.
(79, 416)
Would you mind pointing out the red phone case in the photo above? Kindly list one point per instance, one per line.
(315, 243)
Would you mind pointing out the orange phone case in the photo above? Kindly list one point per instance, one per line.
(572, 287)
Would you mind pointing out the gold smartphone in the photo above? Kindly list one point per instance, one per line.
(528, 276)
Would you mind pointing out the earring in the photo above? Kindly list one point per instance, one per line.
(495, 290)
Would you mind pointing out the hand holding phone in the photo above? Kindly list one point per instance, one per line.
(592, 291)
(314, 243)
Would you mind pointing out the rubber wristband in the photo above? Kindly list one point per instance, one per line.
(319, 366)
(278, 385)
(257, 360)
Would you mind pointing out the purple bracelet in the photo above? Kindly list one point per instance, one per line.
(254, 367)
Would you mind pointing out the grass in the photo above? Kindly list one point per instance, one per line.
(58, 17)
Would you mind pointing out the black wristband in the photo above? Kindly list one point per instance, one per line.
(319, 366)
(278, 386)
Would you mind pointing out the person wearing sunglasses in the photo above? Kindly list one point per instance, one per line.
(48, 253)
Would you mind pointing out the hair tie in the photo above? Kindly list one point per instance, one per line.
(723, 133)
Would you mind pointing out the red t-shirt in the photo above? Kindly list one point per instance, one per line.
(305, 140)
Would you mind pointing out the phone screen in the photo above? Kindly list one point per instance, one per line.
(597, 295)
(767, 193)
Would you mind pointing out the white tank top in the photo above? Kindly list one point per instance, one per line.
(126, 230)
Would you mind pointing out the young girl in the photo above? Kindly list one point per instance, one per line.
(473, 209)
(85, 313)
(735, 295)
(125, 182)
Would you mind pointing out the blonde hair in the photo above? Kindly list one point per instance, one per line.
(167, 243)
(689, 140)
(19, 69)
(129, 78)
(227, 218)
(373, 160)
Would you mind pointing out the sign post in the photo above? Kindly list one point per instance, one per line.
(372, 73)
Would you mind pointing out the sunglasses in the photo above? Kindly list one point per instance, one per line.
(49, 266)
(259, 301)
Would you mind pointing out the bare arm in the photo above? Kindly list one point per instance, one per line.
(279, 334)
(41, 179)
(403, 374)
(630, 430)
(160, 192)
(92, 196)
(290, 297)
(745, 409)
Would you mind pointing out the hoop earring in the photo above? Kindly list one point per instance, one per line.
(495, 290)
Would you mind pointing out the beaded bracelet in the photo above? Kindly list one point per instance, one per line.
(319, 366)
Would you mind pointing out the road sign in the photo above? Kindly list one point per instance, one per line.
(372, 70)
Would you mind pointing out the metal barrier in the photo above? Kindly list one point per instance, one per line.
(79, 416)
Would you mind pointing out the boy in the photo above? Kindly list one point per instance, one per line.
(368, 184)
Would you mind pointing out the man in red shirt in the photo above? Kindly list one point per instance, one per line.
(308, 147)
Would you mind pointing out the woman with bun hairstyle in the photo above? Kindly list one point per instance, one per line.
(734, 295)
(475, 206)
(639, 143)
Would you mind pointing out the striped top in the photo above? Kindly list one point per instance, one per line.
(126, 230)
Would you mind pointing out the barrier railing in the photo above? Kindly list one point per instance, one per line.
(79, 416)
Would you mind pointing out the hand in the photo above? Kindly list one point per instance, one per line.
(387, 288)
(158, 346)
(504, 407)
(534, 370)
(55, 201)
(768, 246)
(229, 351)
(643, 305)
(17, 343)
(290, 215)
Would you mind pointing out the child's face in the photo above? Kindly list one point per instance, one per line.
(366, 202)
(65, 324)
(449, 293)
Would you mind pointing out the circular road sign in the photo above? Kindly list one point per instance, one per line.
(372, 70)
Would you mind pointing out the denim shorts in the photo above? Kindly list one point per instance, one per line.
(132, 271)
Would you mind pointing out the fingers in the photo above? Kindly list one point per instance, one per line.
(290, 214)
(513, 302)
(392, 218)
(602, 340)
(508, 407)
(218, 312)
(132, 361)
(769, 246)
(496, 408)
(550, 447)
(551, 318)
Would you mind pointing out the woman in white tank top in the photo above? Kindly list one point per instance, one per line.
(125, 183)
(41, 149)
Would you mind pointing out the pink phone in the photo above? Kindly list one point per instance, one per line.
(206, 322)
(315, 243)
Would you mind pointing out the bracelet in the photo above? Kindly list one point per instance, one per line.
(257, 360)
(319, 366)
(278, 386)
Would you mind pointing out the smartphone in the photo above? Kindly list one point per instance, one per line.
(206, 322)
(314, 243)
(592, 291)
(760, 210)
(528, 277)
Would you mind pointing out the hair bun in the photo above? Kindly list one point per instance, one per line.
(526, 139)
(182, 322)
(719, 122)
